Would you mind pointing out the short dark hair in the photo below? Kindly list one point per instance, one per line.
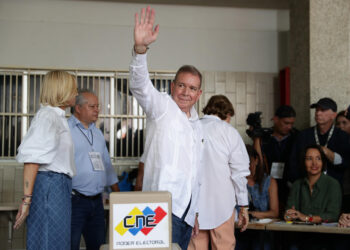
(189, 69)
(284, 111)
(219, 105)
(303, 155)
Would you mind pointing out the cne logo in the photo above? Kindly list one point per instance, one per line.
(138, 220)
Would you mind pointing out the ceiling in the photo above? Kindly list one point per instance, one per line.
(257, 4)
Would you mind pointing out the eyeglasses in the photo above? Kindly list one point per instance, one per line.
(94, 106)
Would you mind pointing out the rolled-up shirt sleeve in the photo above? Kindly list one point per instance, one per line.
(239, 164)
(337, 159)
(41, 141)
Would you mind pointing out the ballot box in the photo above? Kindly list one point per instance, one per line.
(140, 220)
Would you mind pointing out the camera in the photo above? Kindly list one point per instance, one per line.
(254, 121)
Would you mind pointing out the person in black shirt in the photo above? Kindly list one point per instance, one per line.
(277, 148)
(335, 142)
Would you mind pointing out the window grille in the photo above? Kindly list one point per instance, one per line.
(121, 119)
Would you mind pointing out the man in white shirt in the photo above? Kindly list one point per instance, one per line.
(225, 165)
(173, 141)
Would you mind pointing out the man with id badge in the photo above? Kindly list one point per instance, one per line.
(277, 148)
(94, 173)
(333, 141)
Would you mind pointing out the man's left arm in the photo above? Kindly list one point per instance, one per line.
(341, 153)
(333, 157)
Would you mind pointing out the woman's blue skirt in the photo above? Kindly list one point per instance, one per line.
(49, 220)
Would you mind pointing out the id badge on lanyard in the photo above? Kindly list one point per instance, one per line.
(96, 161)
(277, 169)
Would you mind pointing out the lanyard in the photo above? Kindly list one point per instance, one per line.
(329, 136)
(87, 138)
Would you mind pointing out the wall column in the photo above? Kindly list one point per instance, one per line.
(319, 55)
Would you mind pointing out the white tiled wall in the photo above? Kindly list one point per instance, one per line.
(248, 92)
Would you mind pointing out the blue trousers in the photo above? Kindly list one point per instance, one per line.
(181, 231)
(88, 220)
(48, 223)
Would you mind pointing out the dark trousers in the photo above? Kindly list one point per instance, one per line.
(87, 220)
(313, 241)
(181, 231)
(253, 240)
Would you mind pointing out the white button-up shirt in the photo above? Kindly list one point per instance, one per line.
(48, 142)
(225, 165)
(173, 143)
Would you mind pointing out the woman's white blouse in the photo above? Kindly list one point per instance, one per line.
(48, 142)
(225, 165)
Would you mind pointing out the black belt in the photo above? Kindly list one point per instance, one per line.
(93, 197)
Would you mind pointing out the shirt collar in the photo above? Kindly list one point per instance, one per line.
(282, 139)
(194, 115)
(211, 117)
(78, 123)
(57, 110)
(325, 134)
(318, 183)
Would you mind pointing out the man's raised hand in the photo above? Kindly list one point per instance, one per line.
(144, 33)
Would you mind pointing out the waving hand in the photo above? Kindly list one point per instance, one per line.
(144, 33)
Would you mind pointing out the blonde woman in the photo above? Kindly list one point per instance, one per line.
(48, 157)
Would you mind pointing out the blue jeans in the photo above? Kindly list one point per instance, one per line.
(87, 220)
(181, 231)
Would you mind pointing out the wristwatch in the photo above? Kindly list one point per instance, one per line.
(244, 207)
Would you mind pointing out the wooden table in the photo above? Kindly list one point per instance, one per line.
(326, 228)
(330, 228)
(253, 225)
